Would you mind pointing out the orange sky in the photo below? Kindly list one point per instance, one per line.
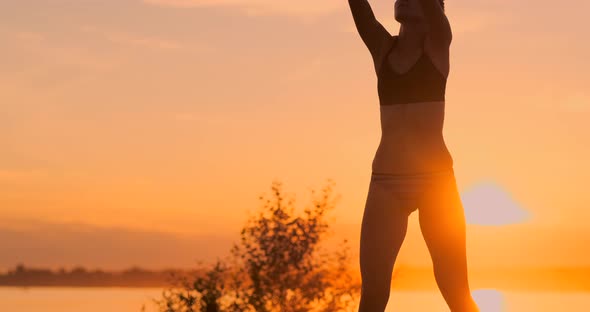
(172, 116)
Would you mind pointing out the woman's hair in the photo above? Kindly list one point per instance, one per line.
(442, 4)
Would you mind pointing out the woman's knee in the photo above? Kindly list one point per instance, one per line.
(375, 296)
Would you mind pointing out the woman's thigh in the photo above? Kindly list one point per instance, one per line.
(442, 221)
(383, 229)
(441, 213)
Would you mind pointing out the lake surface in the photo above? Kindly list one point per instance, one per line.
(45, 299)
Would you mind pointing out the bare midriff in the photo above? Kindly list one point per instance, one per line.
(412, 139)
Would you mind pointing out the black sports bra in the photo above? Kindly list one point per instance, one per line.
(422, 83)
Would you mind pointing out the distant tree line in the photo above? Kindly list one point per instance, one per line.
(81, 277)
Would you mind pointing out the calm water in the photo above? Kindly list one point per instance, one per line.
(131, 300)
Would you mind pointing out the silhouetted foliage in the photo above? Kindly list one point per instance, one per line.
(278, 265)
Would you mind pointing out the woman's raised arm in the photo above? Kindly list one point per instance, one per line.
(438, 24)
(371, 31)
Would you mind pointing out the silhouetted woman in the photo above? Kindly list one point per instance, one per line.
(412, 168)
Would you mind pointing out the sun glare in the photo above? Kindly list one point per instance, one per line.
(487, 203)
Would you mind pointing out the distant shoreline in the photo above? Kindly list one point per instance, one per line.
(403, 278)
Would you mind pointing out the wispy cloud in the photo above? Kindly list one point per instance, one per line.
(199, 118)
(44, 48)
(473, 20)
(125, 38)
(574, 101)
(21, 176)
(577, 103)
(142, 41)
(261, 7)
(307, 71)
